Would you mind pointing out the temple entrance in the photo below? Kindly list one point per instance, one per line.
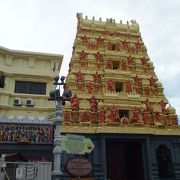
(124, 160)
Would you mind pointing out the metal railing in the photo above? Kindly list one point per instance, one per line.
(25, 171)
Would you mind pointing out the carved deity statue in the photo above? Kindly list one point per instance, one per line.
(145, 116)
(79, 76)
(175, 120)
(75, 103)
(124, 120)
(152, 82)
(97, 78)
(146, 90)
(113, 116)
(99, 57)
(135, 115)
(144, 61)
(163, 106)
(110, 85)
(109, 46)
(123, 65)
(99, 41)
(109, 64)
(102, 115)
(138, 45)
(125, 44)
(93, 104)
(118, 47)
(84, 39)
(158, 118)
(137, 81)
(148, 106)
(128, 87)
(66, 116)
(83, 56)
(130, 60)
(80, 86)
(90, 87)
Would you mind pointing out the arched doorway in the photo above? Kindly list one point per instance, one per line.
(164, 161)
(124, 160)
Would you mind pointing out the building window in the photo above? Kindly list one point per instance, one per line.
(118, 86)
(26, 87)
(164, 161)
(113, 47)
(2, 81)
(115, 64)
(123, 113)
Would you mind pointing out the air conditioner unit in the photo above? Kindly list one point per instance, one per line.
(30, 102)
(17, 102)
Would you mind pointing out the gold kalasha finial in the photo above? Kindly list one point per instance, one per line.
(79, 16)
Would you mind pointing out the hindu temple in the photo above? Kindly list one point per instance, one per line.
(120, 104)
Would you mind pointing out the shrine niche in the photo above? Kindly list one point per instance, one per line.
(110, 70)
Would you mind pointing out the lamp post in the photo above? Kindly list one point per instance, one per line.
(60, 101)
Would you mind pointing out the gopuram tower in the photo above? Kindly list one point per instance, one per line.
(113, 80)
(120, 104)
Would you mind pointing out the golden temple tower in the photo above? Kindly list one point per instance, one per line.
(114, 84)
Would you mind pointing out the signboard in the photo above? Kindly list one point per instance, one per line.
(78, 166)
(19, 173)
(76, 144)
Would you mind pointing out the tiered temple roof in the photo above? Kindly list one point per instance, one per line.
(115, 88)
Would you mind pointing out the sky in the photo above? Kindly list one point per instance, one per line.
(50, 26)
